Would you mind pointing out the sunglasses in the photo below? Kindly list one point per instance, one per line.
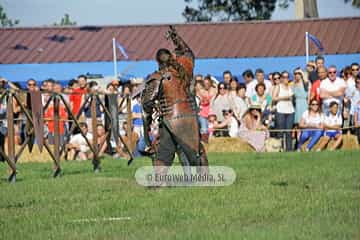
(355, 69)
(332, 72)
(31, 84)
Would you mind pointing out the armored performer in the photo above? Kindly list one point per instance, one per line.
(167, 92)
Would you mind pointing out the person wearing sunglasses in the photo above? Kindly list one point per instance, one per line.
(220, 101)
(311, 125)
(355, 70)
(283, 97)
(332, 89)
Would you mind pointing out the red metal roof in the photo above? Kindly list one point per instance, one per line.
(208, 40)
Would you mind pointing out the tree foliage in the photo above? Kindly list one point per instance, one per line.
(65, 21)
(236, 10)
(5, 21)
(229, 10)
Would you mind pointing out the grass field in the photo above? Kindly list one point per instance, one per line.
(275, 196)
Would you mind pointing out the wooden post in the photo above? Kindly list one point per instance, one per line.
(57, 135)
(96, 162)
(11, 137)
(129, 123)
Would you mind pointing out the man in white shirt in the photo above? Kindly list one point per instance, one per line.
(260, 78)
(332, 89)
(78, 144)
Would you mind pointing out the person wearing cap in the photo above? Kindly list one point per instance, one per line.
(252, 130)
(301, 92)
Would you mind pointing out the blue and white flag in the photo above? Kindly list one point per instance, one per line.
(316, 41)
(122, 50)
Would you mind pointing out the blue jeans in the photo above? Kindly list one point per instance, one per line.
(314, 136)
(204, 126)
(285, 121)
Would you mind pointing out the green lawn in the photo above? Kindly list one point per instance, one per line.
(275, 196)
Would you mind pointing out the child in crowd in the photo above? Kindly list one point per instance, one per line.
(332, 125)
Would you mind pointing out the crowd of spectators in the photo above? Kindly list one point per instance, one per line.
(298, 108)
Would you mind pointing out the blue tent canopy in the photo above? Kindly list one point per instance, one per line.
(63, 72)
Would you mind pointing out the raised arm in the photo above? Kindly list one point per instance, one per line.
(181, 48)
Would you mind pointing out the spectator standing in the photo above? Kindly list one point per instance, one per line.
(349, 91)
(137, 120)
(76, 97)
(220, 102)
(205, 94)
(264, 100)
(3, 119)
(332, 89)
(260, 78)
(355, 107)
(271, 78)
(49, 118)
(198, 77)
(233, 87)
(355, 70)
(312, 125)
(276, 78)
(248, 76)
(283, 96)
(319, 62)
(301, 94)
(315, 87)
(310, 67)
(240, 104)
(227, 76)
(93, 89)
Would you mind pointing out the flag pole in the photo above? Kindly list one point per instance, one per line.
(307, 46)
(114, 59)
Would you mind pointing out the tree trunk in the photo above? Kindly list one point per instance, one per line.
(310, 9)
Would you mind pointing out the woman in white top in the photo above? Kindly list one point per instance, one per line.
(220, 102)
(283, 96)
(312, 125)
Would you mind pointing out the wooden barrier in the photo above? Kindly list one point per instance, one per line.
(13, 153)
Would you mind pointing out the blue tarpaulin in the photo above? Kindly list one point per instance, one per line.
(66, 71)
